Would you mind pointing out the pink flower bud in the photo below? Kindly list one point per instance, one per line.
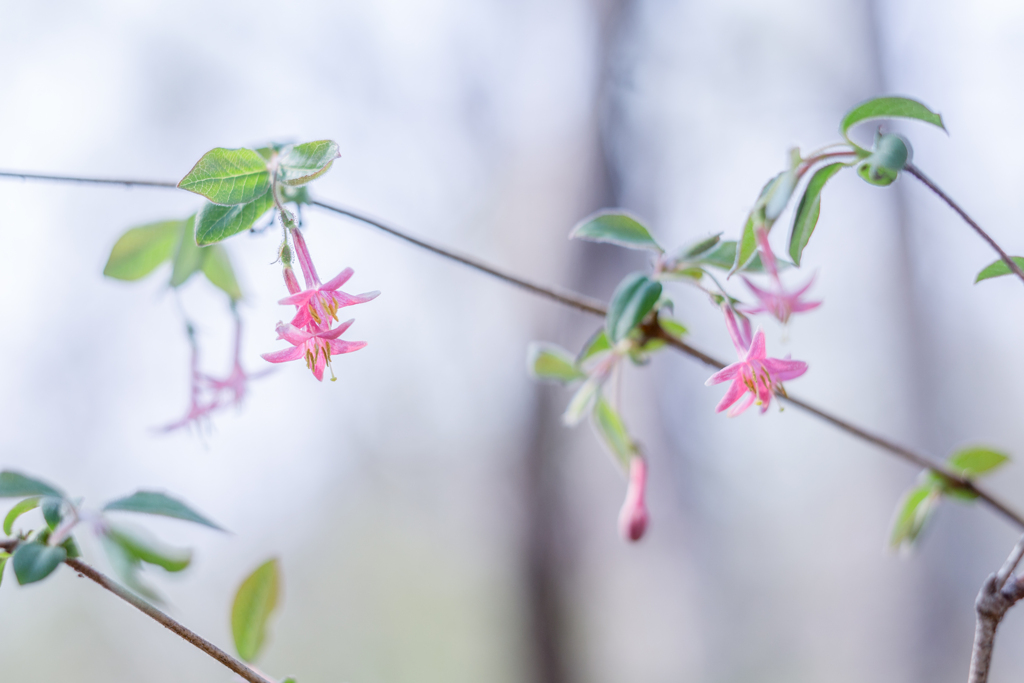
(633, 516)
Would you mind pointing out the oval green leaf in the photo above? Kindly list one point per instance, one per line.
(633, 299)
(215, 223)
(3, 564)
(889, 108)
(17, 511)
(34, 561)
(552, 362)
(140, 250)
(53, 511)
(998, 269)
(228, 176)
(609, 426)
(303, 163)
(615, 227)
(912, 513)
(807, 211)
(142, 546)
(156, 503)
(218, 270)
(976, 460)
(254, 603)
(17, 485)
(188, 259)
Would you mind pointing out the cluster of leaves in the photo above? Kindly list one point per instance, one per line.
(636, 325)
(39, 551)
(919, 504)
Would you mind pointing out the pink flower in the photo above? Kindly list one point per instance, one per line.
(633, 516)
(318, 302)
(777, 301)
(754, 373)
(316, 346)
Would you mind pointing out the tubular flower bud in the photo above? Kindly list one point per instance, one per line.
(633, 516)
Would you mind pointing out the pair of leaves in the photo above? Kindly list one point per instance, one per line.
(140, 250)
(241, 188)
(919, 503)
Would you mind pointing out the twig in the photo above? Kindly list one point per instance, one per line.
(590, 305)
(993, 601)
(167, 622)
(76, 179)
(916, 172)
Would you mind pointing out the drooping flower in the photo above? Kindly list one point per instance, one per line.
(755, 373)
(315, 345)
(633, 516)
(236, 384)
(319, 302)
(777, 301)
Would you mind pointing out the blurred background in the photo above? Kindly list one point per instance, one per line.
(434, 520)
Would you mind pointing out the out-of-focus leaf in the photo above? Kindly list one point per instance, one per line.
(912, 513)
(633, 299)
(215, 223)
(976, 460)
(156, 503)
(598, 343)
(71, 547)
(582, 401)
(3, 564)
(188, 259)
(303, 163)
(17, 511)
(998, 268)
(16, 485)
(295, 195)
(615, 227)
(807, 211)
(552, 362)
(145, 547)
(218, 270)
(140, 250)
(228, 176)
(672, 326)
(52, 511)
(697, 249)
(34, 561)
(888, 108)
(779, 193)
(746, 248)
(610, 428)
(254, 603)
(127, 567)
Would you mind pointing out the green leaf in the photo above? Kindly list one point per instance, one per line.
(807, 211)
(17, 511)
(303, 163)
(215, 223)
(228, 176)
(189, 257)
(551, 362)
(672, 326)
(888, 108)
(970, 462)
(15, 485)
(145, 547)
(615, 227)
(598, 343)
(254, 603)
(218, 270)
(699, 248)
(746, 249)
(3, 564)
(52, 511)
(140, 250)
(877, 175)
(155, 503)
(582, 401)
(613, 432)
(72, 547)
(35, 561)
(913, 512)
(295, 195)
(633, 299)
(998, 269)
(127, 567)
(779, 193)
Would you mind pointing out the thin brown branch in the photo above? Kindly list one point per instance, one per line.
(595, 307)
(1011, 264)
(167, 622)
(97, 181)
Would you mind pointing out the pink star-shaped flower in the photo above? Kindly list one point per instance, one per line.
(755, 373)
(777, 301)
(316, 346)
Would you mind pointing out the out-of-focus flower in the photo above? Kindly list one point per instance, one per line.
(633, 516)
(316, 346)
(776, 300)
(755, 373)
